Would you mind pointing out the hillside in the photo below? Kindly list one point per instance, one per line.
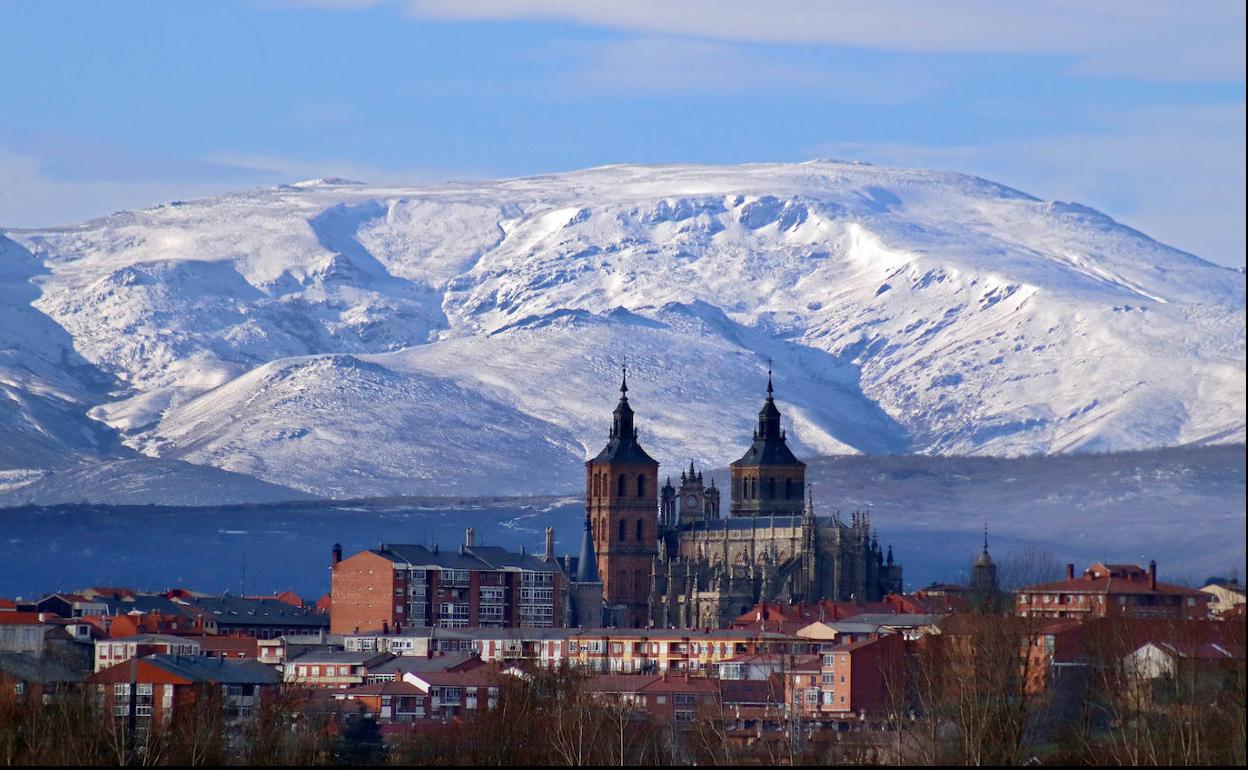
(347, 340)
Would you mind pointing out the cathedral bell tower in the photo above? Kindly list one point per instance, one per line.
(768, 480)
(622, 500)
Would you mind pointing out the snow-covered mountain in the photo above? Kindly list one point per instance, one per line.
(350, 340)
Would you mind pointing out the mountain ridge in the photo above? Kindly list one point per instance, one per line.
(905, 311)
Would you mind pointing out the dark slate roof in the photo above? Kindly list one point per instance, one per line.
(33, 670)
(768, 451)
(404, 663)
(143, 604)
(587, 563)
(467, 557)
(624, 449)
(622, 446)
(769, 447)
(218, 670)
(236, 610)
(501, 558)
(749, 522)
(340, 656)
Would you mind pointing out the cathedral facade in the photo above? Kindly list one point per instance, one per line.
(668, 558)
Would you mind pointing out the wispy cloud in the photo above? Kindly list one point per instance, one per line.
(661, 65)
(1148, 39)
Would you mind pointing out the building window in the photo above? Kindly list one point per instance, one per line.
(623, 531)
(640, 537)
(641, 485)
(620, 486)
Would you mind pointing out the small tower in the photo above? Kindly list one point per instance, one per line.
(712, 501)
(585, 591)
(621, 500)
(984, 573)
(768, 480)
(667, 504)
(691, 497)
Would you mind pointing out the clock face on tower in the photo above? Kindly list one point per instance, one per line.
(691, 501)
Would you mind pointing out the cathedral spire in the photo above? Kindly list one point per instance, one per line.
(622, 445)
(769, 415)
(622, 419)
(587, 562)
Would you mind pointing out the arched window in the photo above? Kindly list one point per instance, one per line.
(771, 487)
(621, 486)
(639, 531)
(788, 488)
(623, 529)
(641, 485)
(595, 485)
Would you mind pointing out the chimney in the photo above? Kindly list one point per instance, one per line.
(1070, 572)
(1152, 575)
(337, 553)
(550, 544)
(470, 537)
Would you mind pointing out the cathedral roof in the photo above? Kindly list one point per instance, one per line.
(754, 522)
(984, 559)
(768, 452)
(769, 447)
(622, 446)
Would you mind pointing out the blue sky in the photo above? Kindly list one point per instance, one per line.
(1135, 108)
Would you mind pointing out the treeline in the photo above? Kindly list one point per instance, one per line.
(982, 693)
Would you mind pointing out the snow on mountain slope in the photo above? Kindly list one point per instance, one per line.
(138, 481)
(349, 340)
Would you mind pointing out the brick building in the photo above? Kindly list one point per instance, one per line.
(622, 498)
(165, 683)
(395, 587)
(1111, 590)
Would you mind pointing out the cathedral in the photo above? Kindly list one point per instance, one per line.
(665, 556)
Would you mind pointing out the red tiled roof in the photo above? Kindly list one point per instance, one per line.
(382, 688)
(1110, 585)
(19, 618)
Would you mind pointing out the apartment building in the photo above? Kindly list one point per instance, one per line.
(1112, 590)
(396, 587)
